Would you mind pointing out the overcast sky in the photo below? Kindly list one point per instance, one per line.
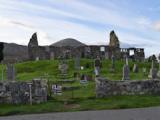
(136, 22)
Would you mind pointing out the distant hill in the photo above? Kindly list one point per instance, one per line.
(15, 52)
(68, 42)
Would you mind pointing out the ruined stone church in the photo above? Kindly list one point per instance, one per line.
(70, 48)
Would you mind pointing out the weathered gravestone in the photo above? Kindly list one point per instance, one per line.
(126, 71)
(135, 68)
(77, 62)
(63, 67)
(153, 72)
(11, 72)
(158, 73)
(97, 65)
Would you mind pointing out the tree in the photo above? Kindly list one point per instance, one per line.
(1, 51)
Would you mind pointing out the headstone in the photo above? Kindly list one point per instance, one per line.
(63, 67)
(126, 71)
(97, 65)
(158, 73)
(135, 68)
(77, 63)
(10, 72)
(153, 72)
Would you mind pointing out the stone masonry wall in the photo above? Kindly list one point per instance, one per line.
(105, 88)
(18, 92)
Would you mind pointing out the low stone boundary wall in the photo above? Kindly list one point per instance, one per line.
(106, 87)
(19, 92)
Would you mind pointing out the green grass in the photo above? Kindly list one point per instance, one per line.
(82, 98)
(34, 69)
(116, 102)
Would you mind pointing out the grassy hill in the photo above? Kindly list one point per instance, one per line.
(34, 69)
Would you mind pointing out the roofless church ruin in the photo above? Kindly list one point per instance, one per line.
(70, 48)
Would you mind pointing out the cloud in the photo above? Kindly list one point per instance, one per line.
(144, 21)
(59, 19)
(16, 23)
(156, 26)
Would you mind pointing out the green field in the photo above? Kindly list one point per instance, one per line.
(84, 97)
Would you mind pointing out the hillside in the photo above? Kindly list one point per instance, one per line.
(35, 69)
(68, 42)
(15, 51)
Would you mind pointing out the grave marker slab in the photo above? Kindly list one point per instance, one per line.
(10, 72)
(153, 72)
(97, 65)
(135, 68)
(126, 71)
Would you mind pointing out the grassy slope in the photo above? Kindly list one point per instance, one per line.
(29, 70)
(83, 98)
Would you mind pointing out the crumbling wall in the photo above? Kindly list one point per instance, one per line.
(19, 92)
(105, 88)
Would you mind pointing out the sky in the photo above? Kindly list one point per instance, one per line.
(136, 22)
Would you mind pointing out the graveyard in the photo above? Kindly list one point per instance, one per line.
(77, 95)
